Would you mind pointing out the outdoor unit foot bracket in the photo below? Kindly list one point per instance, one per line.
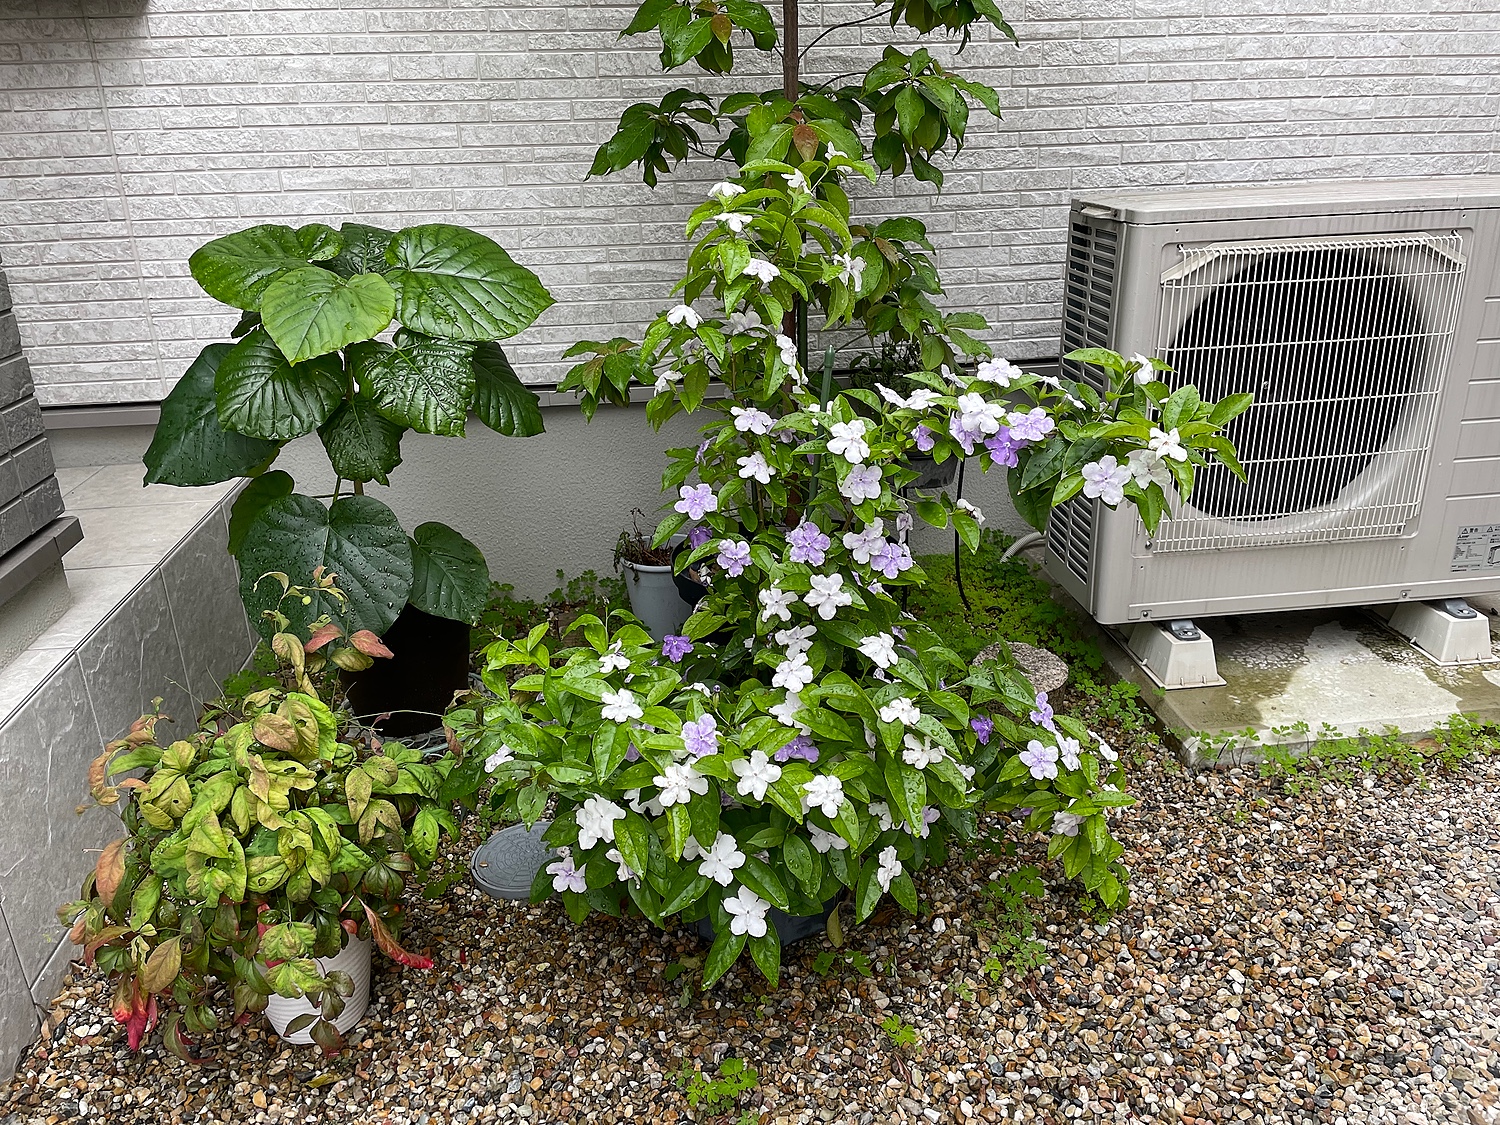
(1175, 654)
(1450, 632)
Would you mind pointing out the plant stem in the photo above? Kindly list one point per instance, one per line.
(789, 56)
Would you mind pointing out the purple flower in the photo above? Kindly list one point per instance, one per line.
(733, 557)
(632, 754)
(808, 543)
(696, 501)
(799, 747)
(702, 449)
(1034, 425)
(674, 648)
(1042, 716)
(701, 737)
(964, 435)
(983, 728)
(925, 438)
(698, 536)
(567, 877)
(890, 559)
(1004, 446)
(1040, 760)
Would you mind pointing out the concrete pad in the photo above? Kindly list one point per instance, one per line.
(1318, 669)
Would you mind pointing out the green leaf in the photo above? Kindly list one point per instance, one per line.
(189, 446)
(459, 284)
(358, 539)
(362, 443)
(502, 401)
(252, 500)
(422, 383)
(363, 250)
(797, 854)
(1231, 406)
(725, 951)
(237, 268)
(867, 893)
(286, 941)
(766, 952)
(758, 876)
(633, 839)
(259, 394)
(449, 575)
(910, 108)
(310, 311)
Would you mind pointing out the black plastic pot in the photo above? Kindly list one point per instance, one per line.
(933, 475)
(789, 927)
(414, 687)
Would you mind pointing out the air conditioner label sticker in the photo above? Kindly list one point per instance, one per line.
(1477, 548)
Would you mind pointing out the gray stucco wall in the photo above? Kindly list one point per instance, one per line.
(131, 131)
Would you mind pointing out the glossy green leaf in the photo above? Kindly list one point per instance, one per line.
(423, 383)
(311, 311)
(722, 955)
(358, 539)
(362, 443)
(252, 500)
(449, 575)
(458, 284)
(237, 268)
(502, 401)
(189, 446)
(259, 394)
(363, 250)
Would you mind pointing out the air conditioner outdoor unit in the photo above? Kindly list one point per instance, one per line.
(1365, 319)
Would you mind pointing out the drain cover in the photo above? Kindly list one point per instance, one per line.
(505, 865)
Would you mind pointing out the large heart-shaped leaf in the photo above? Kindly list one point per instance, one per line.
(459, 284)
(419, 382)
(252, 500)
(359, 540)
(502, 401)
(449, 575)
(260, 394)
(363, 252)
(237, 268)
(311, 312)
(361, 442)
(189, 446)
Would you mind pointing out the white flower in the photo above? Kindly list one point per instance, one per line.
(848, 441)
(1144, 372)
(851, 269)
(862, 483)
(794, 673)
(998, 371)
(1167, 444)
(751, 420)
(922, 398)
(863, 543)
(920, 752)
(1067, 751)
(965, 506)
(823, 841)
(889, 867)
(614, 660)
(879, 648)
(499, 758)
(1146, 467)
(798, 182)
(736, 221)
(1107, 752)
(623, 871)
(1066, 823)
(824, 792)
(755, 466)
(882, 812)
(900, 710)
(699, 686)
(747, 913)
(666, 380)
(788, 349)
(721, 860)
(1105, 479)
(596, 821)
(930, 816)
(724, 191)
(976, 413)
(776, 602)
(678, 783)
(827, 595)
(742, 322)
(684, 314)
(649, 807)
(761, 270)
(785, 712)
(756, 774)
(796, 639)
(620, 706)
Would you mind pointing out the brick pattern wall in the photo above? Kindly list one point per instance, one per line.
(29, 495)
(133, 130)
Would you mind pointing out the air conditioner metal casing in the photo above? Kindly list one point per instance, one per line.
(1121, 245)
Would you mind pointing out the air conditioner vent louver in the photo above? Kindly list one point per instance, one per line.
(1089, 297)
(1343, 342)
(1070, 535)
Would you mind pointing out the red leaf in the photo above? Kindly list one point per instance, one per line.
(389, 946)
(368, 643)
(321, 637)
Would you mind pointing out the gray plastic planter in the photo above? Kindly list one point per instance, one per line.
(654, 598)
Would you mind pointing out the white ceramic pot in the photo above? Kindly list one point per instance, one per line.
(353, 959)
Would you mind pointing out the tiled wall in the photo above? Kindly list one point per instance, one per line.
(176, 628)
(131, 131)
(29, 495)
